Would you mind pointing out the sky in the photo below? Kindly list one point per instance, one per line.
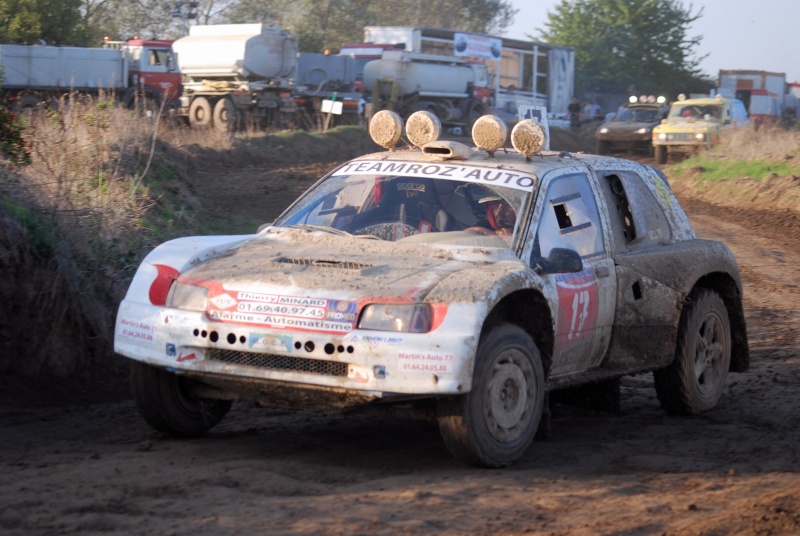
(736, 34)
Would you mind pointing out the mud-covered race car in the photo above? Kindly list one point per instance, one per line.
(632, 128)
(466, 281)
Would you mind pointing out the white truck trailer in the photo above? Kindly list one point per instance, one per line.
(136, 72)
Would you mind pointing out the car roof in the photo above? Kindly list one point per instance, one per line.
(507, 158)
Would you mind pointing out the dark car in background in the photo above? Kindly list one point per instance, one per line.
(631, 128)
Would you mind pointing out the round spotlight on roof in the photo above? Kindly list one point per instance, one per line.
(661, 99)
(527, 137)
(651, 99)
(385, 128)
(489, 133)
(632, 99)
(423, 127)
(682, 96)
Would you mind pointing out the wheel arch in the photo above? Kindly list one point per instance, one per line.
(150, 92)
(528, 309)
(730, 292)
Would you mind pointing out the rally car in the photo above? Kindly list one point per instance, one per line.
(470, 280)
(631, 128)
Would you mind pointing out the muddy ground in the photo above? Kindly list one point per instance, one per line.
(98, 468)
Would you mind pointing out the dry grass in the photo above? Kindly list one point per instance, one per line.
(766, 143)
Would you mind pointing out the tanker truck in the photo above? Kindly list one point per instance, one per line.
(142, 73)
(237, 74)
(325, 77)
(454, 89)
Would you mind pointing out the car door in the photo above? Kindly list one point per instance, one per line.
(646, 256)
(569, 217)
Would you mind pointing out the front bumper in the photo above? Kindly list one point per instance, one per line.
(377, 363)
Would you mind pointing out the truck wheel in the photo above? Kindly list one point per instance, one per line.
(200, 112)
(225, 115)
(493, 424)
(661, 154)
(165, 401)
(694, 381)
(602, 147)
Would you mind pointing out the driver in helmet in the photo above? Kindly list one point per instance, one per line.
(495, 215)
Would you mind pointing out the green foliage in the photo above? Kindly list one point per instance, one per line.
(29, 21)
(40, 236)
(629, 46)
(12, 142)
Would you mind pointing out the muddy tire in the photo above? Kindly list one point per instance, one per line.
(165, 402)
(695, 380)
(493, 424)
(200, 113)
(602, 147)
(661, 154)
(225, 115)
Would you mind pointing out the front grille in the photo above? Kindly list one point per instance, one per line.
(279, 362)
(682, 136)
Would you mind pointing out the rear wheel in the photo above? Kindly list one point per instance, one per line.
(200, 112)
(225, 115)
(694, 381)
(661, 154)
(493, 424)
(167, 404)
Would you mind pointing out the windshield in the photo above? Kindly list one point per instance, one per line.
(708, 112)
(643, 115)
(430, 203)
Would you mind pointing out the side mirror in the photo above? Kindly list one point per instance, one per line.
(560, 261)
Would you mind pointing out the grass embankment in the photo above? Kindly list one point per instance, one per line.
(757, 168)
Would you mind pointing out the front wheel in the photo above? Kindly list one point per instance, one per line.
(493, 424)
(661, 154)
(165, 401)
(694, 381)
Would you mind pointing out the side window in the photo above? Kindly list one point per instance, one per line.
(570, 218)
(636, 216)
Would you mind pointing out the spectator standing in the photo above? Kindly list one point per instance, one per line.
(574, 110)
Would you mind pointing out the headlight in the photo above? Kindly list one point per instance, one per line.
(700, 136)
(661, 135)
(187, 297)
(643, 130)
(412, 318)
(604, 130)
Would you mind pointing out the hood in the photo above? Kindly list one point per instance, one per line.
(683, 125)
(628, 126)
(294, 262)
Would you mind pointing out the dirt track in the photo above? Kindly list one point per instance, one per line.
(99, 468)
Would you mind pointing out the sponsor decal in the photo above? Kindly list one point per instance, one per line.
(285, 312)
(359, 374)
(372, 341)
(342, 311)
(425, 362)
(263, 341)
(480, 175)
(188, 357)
(379, 371)
(134, 329)
(577, 304)
(170, 349)
(223, 301)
